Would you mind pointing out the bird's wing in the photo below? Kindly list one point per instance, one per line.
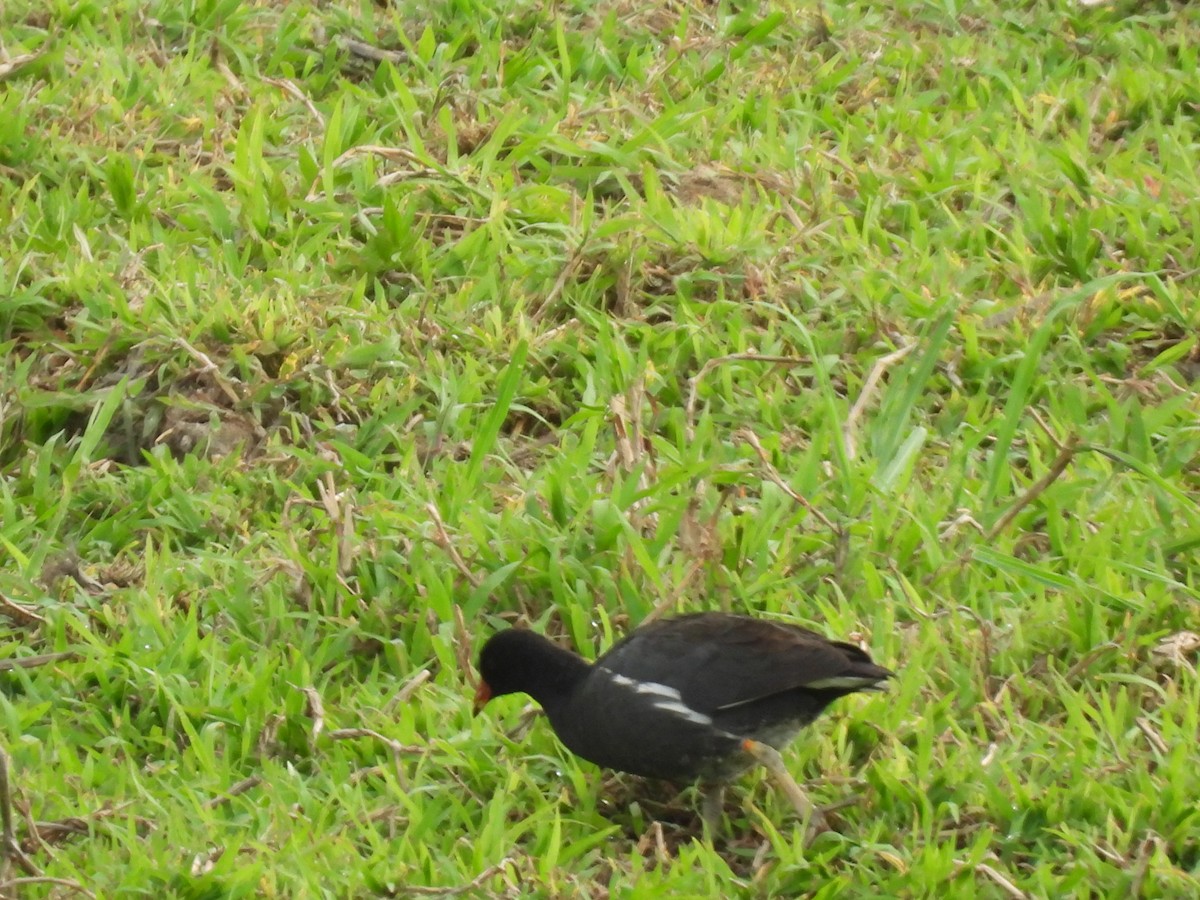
(719, 661)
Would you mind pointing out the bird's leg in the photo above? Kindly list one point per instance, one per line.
(773, 762)
(712, 808)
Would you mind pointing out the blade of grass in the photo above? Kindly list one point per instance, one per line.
(489, 429)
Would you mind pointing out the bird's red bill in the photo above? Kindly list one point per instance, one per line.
(483, 694)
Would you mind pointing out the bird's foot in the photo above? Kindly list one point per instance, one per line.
(769, 757)
(712, 809)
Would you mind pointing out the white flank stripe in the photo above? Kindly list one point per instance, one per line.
(686, 712)
(646, 687)
(658, 690)
(667, 698)
(844, 681)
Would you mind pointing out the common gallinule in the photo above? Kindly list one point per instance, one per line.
(702, 696)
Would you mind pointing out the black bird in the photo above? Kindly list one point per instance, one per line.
(697, 697)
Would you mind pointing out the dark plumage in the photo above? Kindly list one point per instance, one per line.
(702, 696)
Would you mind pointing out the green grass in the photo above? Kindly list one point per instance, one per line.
(306, 358)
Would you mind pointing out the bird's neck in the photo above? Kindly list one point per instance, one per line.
(554, 675)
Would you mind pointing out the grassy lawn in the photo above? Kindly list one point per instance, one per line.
(336, 335)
